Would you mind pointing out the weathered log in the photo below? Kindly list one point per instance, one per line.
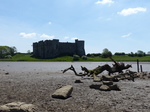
(118, 67)
(73, 69)
(97, 70)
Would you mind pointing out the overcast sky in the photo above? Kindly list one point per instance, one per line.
(119, 25)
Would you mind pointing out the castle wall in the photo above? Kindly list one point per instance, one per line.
(54, 48)
(67, 48)
(48, 48)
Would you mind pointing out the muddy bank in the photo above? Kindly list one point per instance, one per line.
(36, 86)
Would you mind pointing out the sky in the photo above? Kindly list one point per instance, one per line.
(118, 25)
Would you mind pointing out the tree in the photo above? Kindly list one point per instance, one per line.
(29, 52)
(14, 49)
(148, 53)
(140, 53)
(6, 50)
(131, 54)
(106, 53)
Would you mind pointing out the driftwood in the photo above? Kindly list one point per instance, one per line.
(93, 73)
(116, 68)
(73, 69)
(119, 67)
(87, 72)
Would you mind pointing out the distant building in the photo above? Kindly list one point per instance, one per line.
(54, 48)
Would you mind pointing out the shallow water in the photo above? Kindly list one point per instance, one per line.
(58, 66)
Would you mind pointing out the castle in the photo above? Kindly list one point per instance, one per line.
(54, 48)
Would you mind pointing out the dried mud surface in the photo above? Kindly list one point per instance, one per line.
(36, 87)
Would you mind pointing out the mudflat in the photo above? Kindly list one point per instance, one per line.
(35, 82)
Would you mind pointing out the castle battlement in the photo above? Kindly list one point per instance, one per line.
(54, 48)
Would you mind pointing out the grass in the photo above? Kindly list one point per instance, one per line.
(27, 57)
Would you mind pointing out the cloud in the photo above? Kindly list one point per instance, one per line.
(47, 36)
(74, 38)
(71, 38)
(103, 2)
(127, 35)
(27, 35)
(33, 35)
(130, 11)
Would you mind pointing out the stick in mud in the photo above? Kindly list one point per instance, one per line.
(137, 65)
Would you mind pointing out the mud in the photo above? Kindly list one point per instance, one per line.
(36, 85)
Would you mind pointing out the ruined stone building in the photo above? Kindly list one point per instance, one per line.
(54, 48)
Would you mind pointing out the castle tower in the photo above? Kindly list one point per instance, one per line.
(80, 47)
(35, 49)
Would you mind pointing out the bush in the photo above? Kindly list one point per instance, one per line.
(76, 57)
(8, 56)
(119, 53)
(84, 57)
(93, 54)
(131, 54)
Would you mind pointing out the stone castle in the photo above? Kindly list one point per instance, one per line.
(54, 48)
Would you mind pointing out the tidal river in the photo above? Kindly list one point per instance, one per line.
(58, 66)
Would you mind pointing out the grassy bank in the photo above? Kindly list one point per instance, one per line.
(27, 57)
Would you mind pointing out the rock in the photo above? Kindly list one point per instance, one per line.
(114, 87)
(78, 81)
(63, 93)
(97, 79)
(108, 83)
(17, 107)
(95, 86)
(104, 88)
(7, 73)
(107, 78)
(116, 79)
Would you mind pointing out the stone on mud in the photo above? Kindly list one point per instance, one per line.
(107, 78)
(17, 107)
(108, 83)
(95, 86)
(115, 87)
(78, 81)
(104, 88)
(97, 79)
(63, 93)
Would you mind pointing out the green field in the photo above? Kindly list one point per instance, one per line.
(27, 57)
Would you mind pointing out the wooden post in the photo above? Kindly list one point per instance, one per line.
(141, 68)
(137, 65)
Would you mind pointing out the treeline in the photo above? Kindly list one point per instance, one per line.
(139, 53)
(107, 53)
(7, 52)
